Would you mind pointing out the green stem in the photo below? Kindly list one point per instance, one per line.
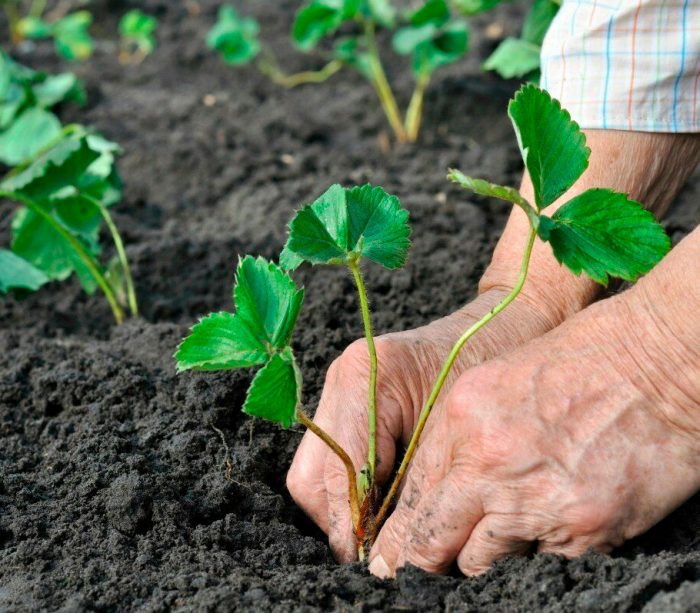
(13, 18)
(273, 72)
(85, 257)
(447, 366)
(121, 253)
(414, 112)
(381, 84)
(372, 396)
(37, 8)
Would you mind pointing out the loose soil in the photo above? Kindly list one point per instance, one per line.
(125, 486)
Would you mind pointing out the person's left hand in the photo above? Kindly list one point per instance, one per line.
(578, 440)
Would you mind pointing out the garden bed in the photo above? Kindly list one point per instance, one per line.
(124, 485)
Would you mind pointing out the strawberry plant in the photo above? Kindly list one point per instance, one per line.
(63, 195)
(138, 36)
(600, 232)
(69, 30)
(26, 99)
(520, 57)
(432, 36)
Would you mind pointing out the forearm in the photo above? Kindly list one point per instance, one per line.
(651, 168)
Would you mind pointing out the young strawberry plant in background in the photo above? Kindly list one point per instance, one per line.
(69, 30)
(138, 36)
(26, 99)
(432, 35)
(520, 57)
(600, 232)
(63, 195)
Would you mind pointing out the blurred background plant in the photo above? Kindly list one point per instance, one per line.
(64, 24)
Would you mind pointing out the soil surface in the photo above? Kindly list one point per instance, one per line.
(114, 487)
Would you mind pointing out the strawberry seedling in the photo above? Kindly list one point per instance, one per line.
(138, 36)
(433, 36)
(342, 227)
(69, 31)
(63, 195)
(27, 96)
(520, 57)
(600, 232)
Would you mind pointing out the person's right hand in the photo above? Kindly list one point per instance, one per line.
(408, 366)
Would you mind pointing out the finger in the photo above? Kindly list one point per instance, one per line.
(575, 547)
(306, 479)
(441, 525)
(306, 482)
(493, 538)
(427, 469)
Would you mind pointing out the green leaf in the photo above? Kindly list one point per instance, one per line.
(382, 12)
(33, 27)
(33, 130)
(436, 12)
(234, 37)
(315, 20)
(18, 274)
(38, 242)
(275, 392)
(64, 87)
(56, 180)
(407, 40)
(73, 41)
(138, 29)
(474, 7)
(14, 98)
(604, 234)
(538, 20)
(432, 37)
(101, 180)
(348, 50)
(451, 44)
(377, 226)
(552, 145)
(56, 168)
(514, 57)
(345, 223)
(267, 300)
(220, 341)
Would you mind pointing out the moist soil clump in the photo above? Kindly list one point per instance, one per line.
(125, 486)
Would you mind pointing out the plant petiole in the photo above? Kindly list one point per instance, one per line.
(353, 497)
(372, 396)
(121, 253)
(271, 70)
(13, 19)
(444, 372)
(415, 107)
(381, 84)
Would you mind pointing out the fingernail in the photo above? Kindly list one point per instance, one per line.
(379, 568)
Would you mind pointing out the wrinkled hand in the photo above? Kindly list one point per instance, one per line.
(408, 365)
(577, 440)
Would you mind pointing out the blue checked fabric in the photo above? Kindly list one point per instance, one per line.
(626, 64)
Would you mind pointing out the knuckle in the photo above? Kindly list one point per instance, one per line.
(297, 482)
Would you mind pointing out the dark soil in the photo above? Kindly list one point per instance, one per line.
(113, 480)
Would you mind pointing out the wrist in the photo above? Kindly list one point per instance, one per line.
(662, 315)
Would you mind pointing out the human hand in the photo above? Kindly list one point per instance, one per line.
(580, 439)
(408, 365)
